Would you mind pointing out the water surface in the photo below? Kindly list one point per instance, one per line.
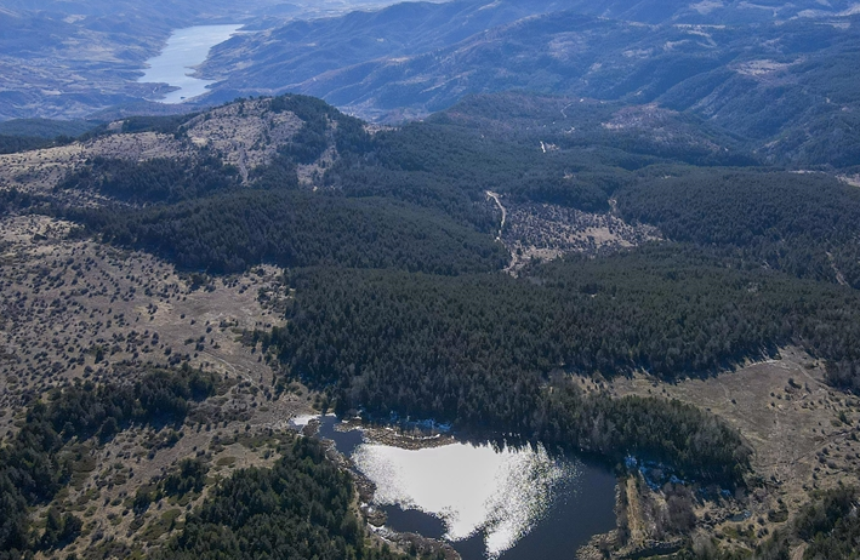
(489, 503)
(185, 49)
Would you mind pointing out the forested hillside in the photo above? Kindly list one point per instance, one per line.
(410, 279)
(49, 450)
(156, 180)
(414, 199)
(300, 508)
(670, 311)
(233, 232)
(45, 128)
(800, 223)
(12, 144)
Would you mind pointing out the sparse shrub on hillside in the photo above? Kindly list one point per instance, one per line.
(34, 466)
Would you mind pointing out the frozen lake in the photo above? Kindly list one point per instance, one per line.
(185, 49)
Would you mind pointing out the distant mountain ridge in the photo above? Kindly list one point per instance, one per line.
(69, 59)
(777, 82)
(302, 50)
(779, 76)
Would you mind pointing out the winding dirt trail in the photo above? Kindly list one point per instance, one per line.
(498, 200)
(564, 109)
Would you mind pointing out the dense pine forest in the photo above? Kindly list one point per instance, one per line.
(156, 180)
(13, 144)
(232, 232)
(802, 224)
(478, 349)
(300, 508)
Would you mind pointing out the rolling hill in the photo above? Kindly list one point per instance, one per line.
(781, 82)
(613, 280)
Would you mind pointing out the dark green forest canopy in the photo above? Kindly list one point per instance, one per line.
(451, 168)
(480, 350)
(441, 172)
(155, 180)
(20, 135)
(494, 143)
(300, 508)
(668, 309)
(804, 224)
(442, 169)
(13, 144)
(46, 129)
(649, 133)
(231, 232)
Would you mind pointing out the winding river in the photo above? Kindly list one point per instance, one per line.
(489, 503)
(185, 49)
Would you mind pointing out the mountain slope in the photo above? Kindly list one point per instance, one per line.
(367, 262)
(784, 86)
(301, 50)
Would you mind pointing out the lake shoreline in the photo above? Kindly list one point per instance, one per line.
(176, 65)
(541, 502)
